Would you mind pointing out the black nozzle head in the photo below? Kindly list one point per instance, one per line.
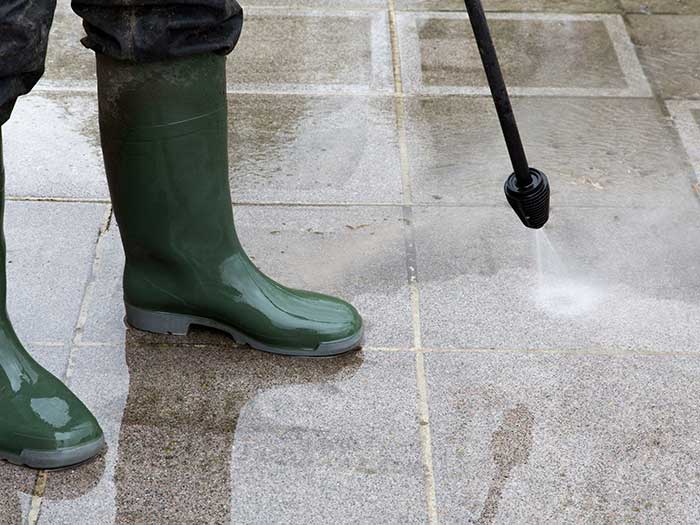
(530, 202)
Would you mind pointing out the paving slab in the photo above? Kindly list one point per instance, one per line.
(50, 250)
(666, 46)
(296, 148)
(52, 147)
(69, 64)
(596, 152)
(244, 435)
(307, 50)
(544, 438)
(610, 278)
(540, 54)
(680, 7)
(353, 252)
(335, 443)
(556, 6)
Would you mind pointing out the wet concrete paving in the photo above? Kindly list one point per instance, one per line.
(506, 377)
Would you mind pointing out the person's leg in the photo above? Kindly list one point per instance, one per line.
(163, 124)
(151, 30)
(24, 33)
(42, 424)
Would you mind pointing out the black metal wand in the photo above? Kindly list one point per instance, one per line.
(527, 189)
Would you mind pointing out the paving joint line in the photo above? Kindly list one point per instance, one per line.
(411, 269)
(413, 205)
(688, 131)
(71, 200)
(612, 352)
(323, 90)
(282, 204)
(88, 292)
(37, 497)
(47, 344)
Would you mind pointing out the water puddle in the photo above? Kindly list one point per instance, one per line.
(558, 290)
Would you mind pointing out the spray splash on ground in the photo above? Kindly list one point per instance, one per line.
(558, 291)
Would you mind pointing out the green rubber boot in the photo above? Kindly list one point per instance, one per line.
(164, 137)
(42, 423)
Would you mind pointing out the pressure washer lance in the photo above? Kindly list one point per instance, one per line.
(527, 189)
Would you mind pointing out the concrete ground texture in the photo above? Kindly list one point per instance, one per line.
(507, 376)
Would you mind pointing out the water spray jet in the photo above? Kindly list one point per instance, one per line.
(526, 189)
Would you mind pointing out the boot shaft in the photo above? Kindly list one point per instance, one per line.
(3, 279)
(164, 137)
(141, 95)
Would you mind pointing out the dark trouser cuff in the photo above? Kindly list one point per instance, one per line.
(5, 111)
(147, 31)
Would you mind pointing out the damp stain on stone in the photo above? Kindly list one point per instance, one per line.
(510, 447)
(180, 422)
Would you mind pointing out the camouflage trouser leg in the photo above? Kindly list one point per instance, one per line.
(24, 33)
(147, 30)
(134, 30)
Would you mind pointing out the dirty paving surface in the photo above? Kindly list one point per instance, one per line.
(507, 377)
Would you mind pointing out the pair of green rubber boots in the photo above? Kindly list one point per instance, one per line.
(164, 138)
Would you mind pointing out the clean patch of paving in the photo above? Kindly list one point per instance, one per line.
(52, 147)
(604, 278)
(50, 247)
(558, 438)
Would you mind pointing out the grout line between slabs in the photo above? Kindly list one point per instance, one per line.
(321, 90)
(37, 497)
(426, 439)
(87, 295)
(411, 267)
(413, 205)
(574, 352)
(680, 111)
(610, 352)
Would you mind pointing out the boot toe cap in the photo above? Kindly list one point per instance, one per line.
(341, 328)
(50, 428)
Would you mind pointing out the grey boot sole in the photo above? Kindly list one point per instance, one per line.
(179, 324)
(56, 459)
